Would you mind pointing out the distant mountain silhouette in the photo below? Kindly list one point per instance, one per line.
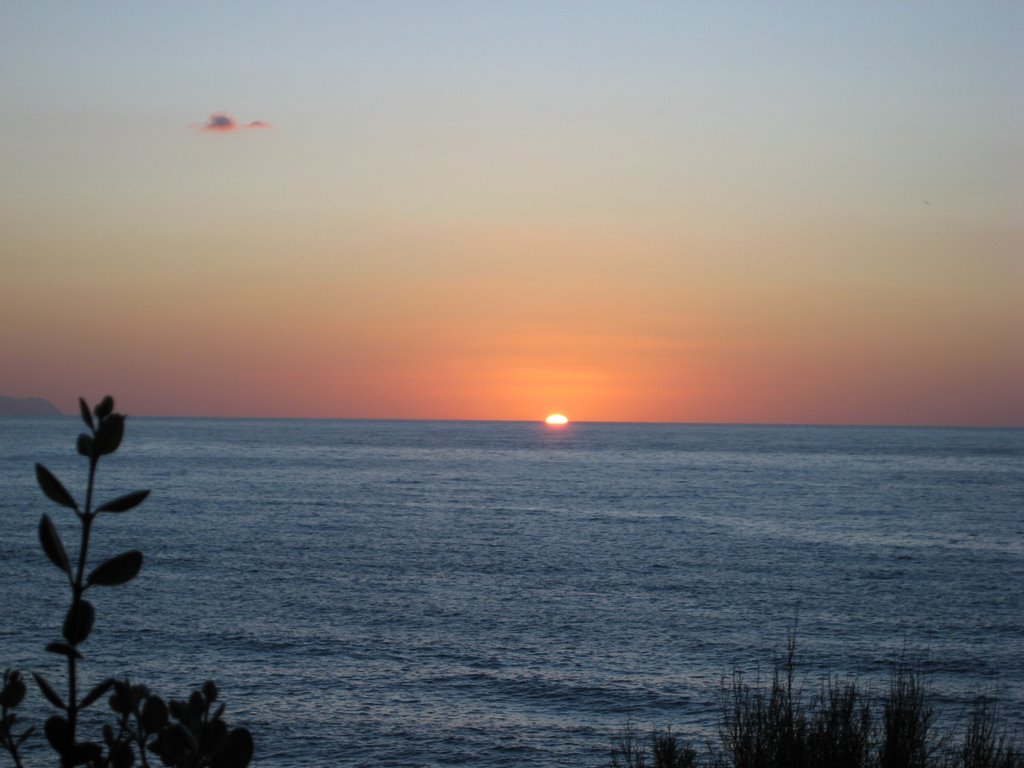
(27, 406)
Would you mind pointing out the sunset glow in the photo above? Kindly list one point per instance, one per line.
(475, 212)
(556, 420)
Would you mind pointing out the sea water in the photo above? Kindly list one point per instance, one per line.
(508, 594)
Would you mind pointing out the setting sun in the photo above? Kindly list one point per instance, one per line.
(556, 419)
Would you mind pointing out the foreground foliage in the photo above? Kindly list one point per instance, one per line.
(839, 726)
(180, 733)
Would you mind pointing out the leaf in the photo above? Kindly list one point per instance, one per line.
(105, 407)
(63, 649)
(109, 434)
(123, 689)
(179, 710)
(191, 744)
(96, 692)
(86, 416)
(237, 752)
(122, 756)
(116, 570)
(58, 733)
(154, 714)
(210, 691)
(52, 545)
(120, 703)
(53, 697)
(85, 445)
(172, 745)
(85, 752)
(76, 631)
(124, 503)
(53, 489)
(175, 745)
(213, 737)
(13, 691)
(196, 705)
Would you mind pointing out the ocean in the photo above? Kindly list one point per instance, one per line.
(414, 593)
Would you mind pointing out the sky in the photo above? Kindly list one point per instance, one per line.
(736, 212)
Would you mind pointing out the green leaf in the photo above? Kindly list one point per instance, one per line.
(53, 489)
(116, 570)
(63, 649)
(76, 631)
(86, 416)
(47, 689)
(105, 407)
(237, 752)
(58, 733)
(52, 546)
(124, 503)
(96, 692)
(109, 434)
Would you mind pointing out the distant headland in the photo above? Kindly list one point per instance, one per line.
(27, 406)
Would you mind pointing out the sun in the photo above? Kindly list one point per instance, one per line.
(556, 420)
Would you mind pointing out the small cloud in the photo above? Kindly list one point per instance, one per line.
(221, 122)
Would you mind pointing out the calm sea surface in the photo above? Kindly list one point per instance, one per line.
(507, 594)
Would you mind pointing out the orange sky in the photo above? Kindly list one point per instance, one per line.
(703, 216)
(601, 328)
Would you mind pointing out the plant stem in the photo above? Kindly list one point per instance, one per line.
(8, 741)
(140, 738)
(76, 601)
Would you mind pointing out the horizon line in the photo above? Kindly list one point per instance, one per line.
(540, 421)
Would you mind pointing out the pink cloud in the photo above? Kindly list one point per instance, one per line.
(221, 122)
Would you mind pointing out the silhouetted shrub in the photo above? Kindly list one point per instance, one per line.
(182, 734)
(907, 723)
(984, 745)
(761, 728)
(774, 725)
(667, 751)
(672, 752)
(839, 734)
